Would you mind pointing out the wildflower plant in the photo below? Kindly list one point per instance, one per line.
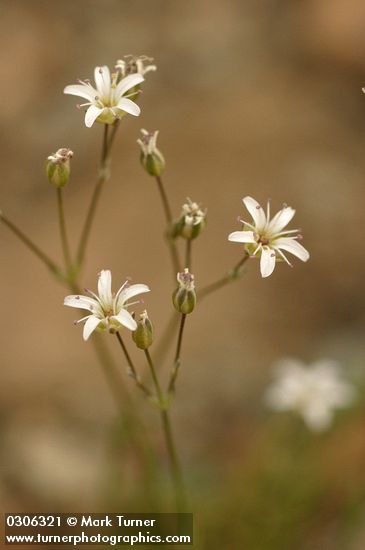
(107, 102)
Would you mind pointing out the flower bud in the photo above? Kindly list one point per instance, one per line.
(152, 159)
(58, 167)
(184, 297)
(191, 222)
(143, 335)
(131, 64)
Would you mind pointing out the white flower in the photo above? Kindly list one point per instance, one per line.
(268, 238)
(108, 311)
(106, 102)
(313, 392)
(135, 64)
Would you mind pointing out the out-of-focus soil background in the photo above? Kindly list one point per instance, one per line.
(259, 98)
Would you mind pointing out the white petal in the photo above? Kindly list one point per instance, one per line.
(317, 416)
(128, 106)
(102, 80)
(105, 288)
(127, 83)
(242, 237)
(90, 326)
(81, 90)
(267, 261)
(82, 302)
(125, 319)
(281, 219)
(128, 293)
(91, 115)
(256, 211)
(292, 246)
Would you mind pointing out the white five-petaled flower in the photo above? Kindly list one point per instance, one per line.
(107, 101)
(313, 392)
(267, 237)
(108, 311)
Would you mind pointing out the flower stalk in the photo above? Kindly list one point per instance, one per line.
(176, 472)
(103, 177)
(63, 232)
(168, 216)
(176, 366)
(33, 248)
(132, 370)
(188, 251)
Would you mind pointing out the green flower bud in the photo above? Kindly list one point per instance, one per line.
(191, 222)
(151, 158)
(58, 167)
(184, 297)
(143, 335)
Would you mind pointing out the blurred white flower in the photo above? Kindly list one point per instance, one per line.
(131, 64)
(268, 238)
(314, 391)
(106, 102)
(108, 311)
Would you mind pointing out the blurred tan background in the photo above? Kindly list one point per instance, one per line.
(259, 98)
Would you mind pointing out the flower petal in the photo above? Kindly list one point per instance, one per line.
(82, 302)
(81, 90)
(102, 80)
(105, 288)
(90, 326)
(317, 416)
(127, 83)
(256, 211)
(267, 261)
(125, 319)
(242, 237)
(292, 246)
(128, 293)
(125, 104)
(91, 115)
(281, 219)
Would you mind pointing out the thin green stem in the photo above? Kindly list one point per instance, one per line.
(176, 366)
(102, 179)
(169, 220)
(132, 370)
(188, 253)
(63, 232)
(174, 463)
(33, 247)
(159, 393)
(165, 200)
(231, 276)
(170, 445)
